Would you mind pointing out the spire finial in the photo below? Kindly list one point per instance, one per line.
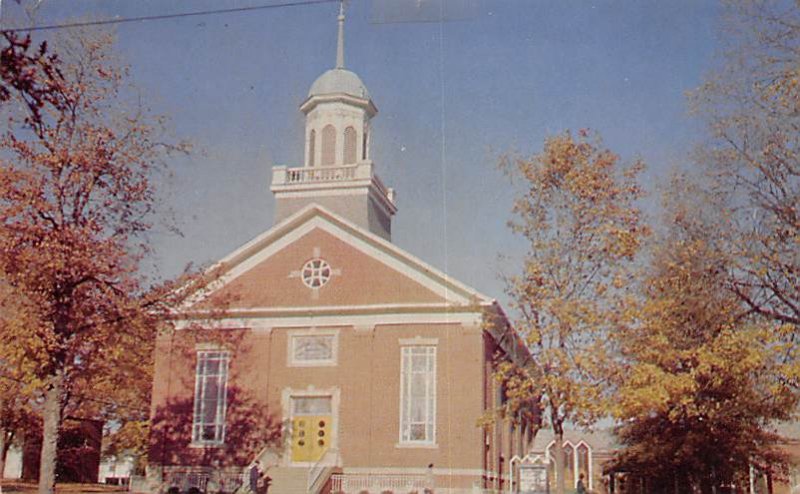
(340, 44)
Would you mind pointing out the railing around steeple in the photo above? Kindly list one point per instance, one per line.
(306, 175)
(364, 171)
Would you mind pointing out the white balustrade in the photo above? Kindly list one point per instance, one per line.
(378, 483)
(283, 176)
(308, 175)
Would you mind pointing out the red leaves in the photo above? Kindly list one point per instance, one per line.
(76, 196)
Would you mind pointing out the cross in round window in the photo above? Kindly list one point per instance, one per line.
(316, 273)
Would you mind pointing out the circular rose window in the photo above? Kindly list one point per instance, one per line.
(316, 273)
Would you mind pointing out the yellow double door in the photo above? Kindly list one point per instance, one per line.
(312, 427)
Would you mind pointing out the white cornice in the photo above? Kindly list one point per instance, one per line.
(411, 308)
(366, 104)
(266, 323)
(330, 189)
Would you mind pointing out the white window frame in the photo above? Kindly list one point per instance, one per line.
(406, 348)
(294, 336)
(199, 391)
(590, 472)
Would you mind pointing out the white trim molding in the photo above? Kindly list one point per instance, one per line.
(415, 445)
(305, 320)
(418, 341)
(208, 347)
(413, 471)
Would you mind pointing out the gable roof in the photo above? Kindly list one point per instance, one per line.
(441, 290)
(599, 439)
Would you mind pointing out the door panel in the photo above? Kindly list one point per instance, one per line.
(312, 425)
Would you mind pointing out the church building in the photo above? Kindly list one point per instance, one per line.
(340, 362)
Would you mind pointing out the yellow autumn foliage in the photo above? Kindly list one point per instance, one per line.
(576, 209)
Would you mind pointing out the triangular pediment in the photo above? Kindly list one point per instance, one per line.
(358, 270)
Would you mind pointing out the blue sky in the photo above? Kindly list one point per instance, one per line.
(452, 98)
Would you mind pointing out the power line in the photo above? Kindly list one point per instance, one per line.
(299, 3)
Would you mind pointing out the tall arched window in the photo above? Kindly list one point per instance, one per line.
(551, 467)
(328, 146)
(350, 146)
(569, 465)
(312, 140)
(364, 146)
(583, 464)
(570, 475)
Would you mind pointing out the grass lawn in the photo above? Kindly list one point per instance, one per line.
(32, 488)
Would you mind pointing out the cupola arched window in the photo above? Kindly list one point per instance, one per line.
(350, 146)
(312, 138)
(328, 146)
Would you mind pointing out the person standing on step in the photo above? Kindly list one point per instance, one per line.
(581, 487)
(255, 476)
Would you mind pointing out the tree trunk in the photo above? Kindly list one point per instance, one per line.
(52, 422)
(6, 440)
(3, 451)
(558, 450)
(769, 482)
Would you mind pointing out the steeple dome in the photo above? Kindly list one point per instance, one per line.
(339, 81)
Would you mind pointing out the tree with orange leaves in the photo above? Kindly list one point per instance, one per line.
(27, 73)
(576, 210)
(704, 381)
(79, 164)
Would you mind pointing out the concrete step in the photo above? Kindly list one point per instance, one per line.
(288, 480)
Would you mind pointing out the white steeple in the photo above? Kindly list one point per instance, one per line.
(338, 111)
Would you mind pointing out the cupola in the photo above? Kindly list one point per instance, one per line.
(337, 172)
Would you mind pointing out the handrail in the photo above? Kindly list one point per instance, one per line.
(246, 472)
(320, 466)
